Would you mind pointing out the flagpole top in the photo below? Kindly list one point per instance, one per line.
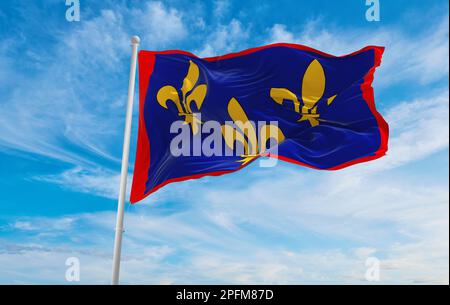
(135, 40)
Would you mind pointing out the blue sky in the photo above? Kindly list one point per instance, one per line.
(62, 106)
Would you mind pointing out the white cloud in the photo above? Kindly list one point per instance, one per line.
(279, 33)
(221, 7)
(418, 129)
(72, 109)
(226, 38)
(315, 236)
(365, 252)
(420, 58)
(99, 181)
(62, 107)
(159, 25)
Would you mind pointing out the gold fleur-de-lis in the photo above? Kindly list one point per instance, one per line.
(190, 92)
(245, 133)
(313, 88)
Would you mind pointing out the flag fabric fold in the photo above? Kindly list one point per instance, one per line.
(301, 105)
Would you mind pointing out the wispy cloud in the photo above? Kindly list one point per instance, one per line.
(221, 7)
(158, 24)
(224, 39)
(320, 232)
(99, 181)
(72, 110)
(419, 128)
(58, 111)
(421, 58)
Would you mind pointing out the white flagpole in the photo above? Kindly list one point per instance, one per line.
(124, 170)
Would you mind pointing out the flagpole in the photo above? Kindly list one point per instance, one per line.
(124, 169)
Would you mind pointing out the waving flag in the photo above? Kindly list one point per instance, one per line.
(320, 108)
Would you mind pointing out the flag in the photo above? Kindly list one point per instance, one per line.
(211, 116)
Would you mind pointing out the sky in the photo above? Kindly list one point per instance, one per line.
(63, 88)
